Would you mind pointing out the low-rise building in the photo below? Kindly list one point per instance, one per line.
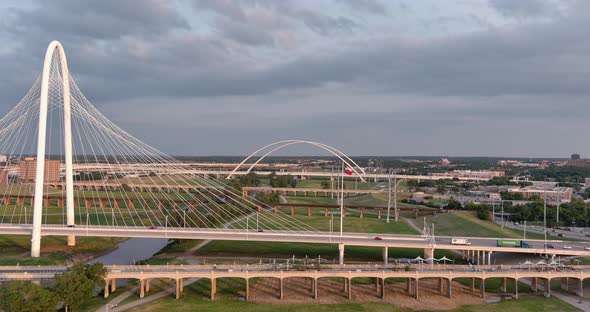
(552, 193)
(477, 174)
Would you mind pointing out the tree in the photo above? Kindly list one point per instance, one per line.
(325, 185)
(453, 204)
(26, 296)
(76, 285)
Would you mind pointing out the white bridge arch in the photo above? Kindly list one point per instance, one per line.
(271, 148)
(41, 141)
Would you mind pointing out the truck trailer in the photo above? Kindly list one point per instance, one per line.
(513, 243)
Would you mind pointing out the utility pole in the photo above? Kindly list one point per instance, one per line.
(494, 211)
(557, 220)
(332, 183)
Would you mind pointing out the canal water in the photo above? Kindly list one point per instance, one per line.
(132, 250)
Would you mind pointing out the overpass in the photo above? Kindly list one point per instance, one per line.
(412, 277)
(479, 250)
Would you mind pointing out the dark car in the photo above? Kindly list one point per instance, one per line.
(260, 231)
(560, 234)
(71, 225)
(550, 246)
(152, 227)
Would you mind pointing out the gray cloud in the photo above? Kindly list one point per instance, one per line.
(248, 72)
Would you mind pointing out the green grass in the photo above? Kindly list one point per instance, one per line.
(16, 249)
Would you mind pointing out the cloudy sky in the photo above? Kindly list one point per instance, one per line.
(372, 77)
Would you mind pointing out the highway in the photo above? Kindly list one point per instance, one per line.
(348, 239)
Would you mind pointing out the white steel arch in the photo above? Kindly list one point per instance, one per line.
(41, 141)
(282, 144)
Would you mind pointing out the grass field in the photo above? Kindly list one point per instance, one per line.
(195, 298)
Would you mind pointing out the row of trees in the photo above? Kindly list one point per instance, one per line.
(72, 288)
(282, 180)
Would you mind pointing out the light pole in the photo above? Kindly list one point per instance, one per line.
(545, 212)
(332, 183)
(395, 197)
(502, 204)
(524, 233)
(388, 194)
(342, 202)
(557, 219)
(494, 210)
(166, 227)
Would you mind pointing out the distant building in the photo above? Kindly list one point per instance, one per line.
(477, 174)
(3, 177)
(576, 161)
(3, 158)
(587, 182)
(516, 163)
(575, 156)
(444, 162)
(551, 192)
(28, 167)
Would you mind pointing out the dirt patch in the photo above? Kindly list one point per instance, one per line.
(331, 291)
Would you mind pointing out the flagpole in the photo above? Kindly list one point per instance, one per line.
(342, 200)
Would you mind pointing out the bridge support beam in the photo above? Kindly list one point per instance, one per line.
(385, 255)
(565, 284)
(503, 285)
(580, 291)
(473, 284)
(449, 288)
(429, 253)
(147, 285)
(349, 288)
(515, 288)
(113, 285)
(341, 254)
(213, 288)
(489, 257)
(416, 284)
(281, 288)
(142, 288)
(547, 287)
(247, 294)
(383, 288)
(178, 282)
(482, 288)
(440, 284)
(315, 288)
(106, 288)
(408, 286)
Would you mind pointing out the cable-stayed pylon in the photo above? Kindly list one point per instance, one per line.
(64, 159)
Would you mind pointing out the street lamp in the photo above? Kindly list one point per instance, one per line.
(388, 194)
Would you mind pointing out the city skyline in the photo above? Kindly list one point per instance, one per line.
(225, 77)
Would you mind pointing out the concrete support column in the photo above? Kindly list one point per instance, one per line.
(416, 288)
(181, 284)
(178, 289)
(379, 213)
(515, 288)
(565, 283)
(341, 254)
(276, 209)
(247, 297)
(350, 289)
(547, 286)
(325, 212)
(473, 284)
(308, 212)
(292, 211)
(106, 288)
(580, 291)
(383, 288)
(147, 285)
(113, 285)
(281, 288)
(213, 288)
(503, 285)
(377, 284)
(385, 255)
(141, 288)
(449, 288)
(428, 253)
(440, 284)
(489, 257)
(534, 285)
(408, 286)
(362, 213)
(482, 289)
(315, 288)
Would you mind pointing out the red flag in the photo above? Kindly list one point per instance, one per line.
(348, 171)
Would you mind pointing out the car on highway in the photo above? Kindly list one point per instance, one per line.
(587, 248)
(152, 228)
(550, 246)
(567, 247)
(378, 238)
(560, 235)
(71, 225)
(587, 235)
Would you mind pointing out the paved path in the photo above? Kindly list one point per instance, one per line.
(573, 300)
